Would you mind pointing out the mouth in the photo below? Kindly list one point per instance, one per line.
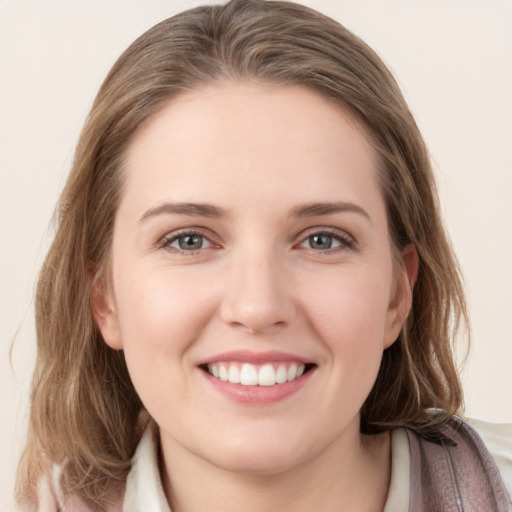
(266, 374)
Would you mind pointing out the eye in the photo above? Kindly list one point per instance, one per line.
(327, 241)
(186, 242)
(321, 241)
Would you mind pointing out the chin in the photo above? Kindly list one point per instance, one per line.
(261, 463)
(261, 454)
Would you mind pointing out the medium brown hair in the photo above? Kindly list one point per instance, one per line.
(84, 409)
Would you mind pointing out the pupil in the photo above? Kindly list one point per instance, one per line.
(190, 242)
(320, 241)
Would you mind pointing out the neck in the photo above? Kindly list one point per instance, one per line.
(347, 476)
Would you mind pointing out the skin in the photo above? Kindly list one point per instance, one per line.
(258, 152)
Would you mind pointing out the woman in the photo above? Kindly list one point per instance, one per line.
(250, 298)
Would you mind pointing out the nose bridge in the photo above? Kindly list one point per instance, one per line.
(256, 296)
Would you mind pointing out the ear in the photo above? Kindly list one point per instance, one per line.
(406, 273)
(103, 309)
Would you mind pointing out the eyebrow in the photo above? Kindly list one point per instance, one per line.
(192, 209)
(211, 211)
(317, 209)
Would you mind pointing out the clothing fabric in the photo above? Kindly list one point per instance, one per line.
(144, 489)
(409, 469)
(407, 473)
(453, 470)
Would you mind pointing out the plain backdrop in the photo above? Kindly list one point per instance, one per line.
(453, 59)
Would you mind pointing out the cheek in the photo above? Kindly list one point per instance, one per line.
(157, 306)
(160, 317)
(348, 307)
(348, 311)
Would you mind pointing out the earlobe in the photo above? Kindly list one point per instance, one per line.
(103, 310)
(401, 302)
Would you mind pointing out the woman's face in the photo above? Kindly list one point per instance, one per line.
(251, 243)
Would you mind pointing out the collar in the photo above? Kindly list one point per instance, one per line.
(144, 489)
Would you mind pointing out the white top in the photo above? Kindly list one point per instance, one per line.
(144, 488)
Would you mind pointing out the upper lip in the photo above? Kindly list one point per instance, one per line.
(247, 356)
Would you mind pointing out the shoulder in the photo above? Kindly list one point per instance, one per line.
(497, 438)
(461, 463)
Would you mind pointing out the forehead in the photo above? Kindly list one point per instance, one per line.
(284, 140)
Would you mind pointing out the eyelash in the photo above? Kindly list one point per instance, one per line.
(345, 240)
(167, 240)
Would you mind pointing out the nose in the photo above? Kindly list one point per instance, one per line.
(258, 295)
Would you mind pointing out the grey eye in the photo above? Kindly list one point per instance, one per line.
(184, 242)
(188, 242)
(320, 241)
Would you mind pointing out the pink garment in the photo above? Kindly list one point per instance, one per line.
(452, 471)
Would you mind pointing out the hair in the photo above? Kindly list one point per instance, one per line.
(85, 412)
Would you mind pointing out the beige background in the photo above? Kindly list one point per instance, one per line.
(453, 59)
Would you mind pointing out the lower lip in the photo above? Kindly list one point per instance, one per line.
(258, 394)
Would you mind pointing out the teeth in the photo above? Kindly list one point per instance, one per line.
(281, 374)
(223, 373)
(213, 369)
(252, 375)
(248, 375)
(267, 375)
(234, 374)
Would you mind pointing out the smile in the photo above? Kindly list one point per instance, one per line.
(247, 374)
(257, 378)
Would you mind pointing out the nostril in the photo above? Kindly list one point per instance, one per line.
(256, 323)
(260, 305)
